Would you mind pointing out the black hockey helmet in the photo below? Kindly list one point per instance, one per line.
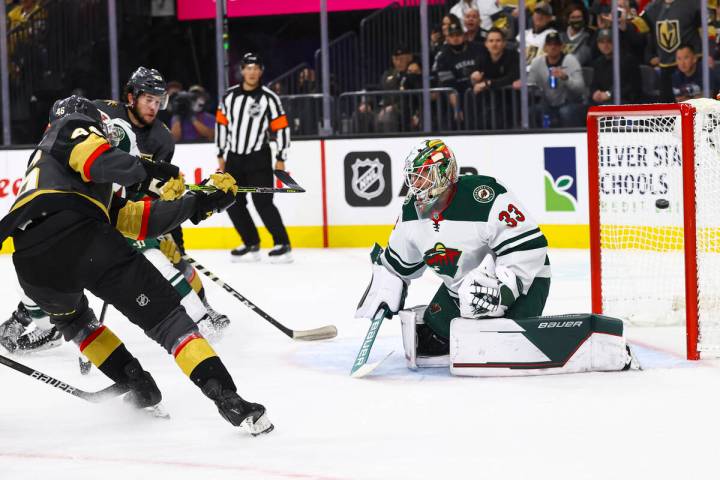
(250, 59)
(147, 80)
(77, 104)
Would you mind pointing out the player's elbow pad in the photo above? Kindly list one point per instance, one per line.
(385, 289)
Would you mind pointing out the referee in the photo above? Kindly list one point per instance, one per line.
(246, 116)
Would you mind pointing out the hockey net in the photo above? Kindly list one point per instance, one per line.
(654, 175)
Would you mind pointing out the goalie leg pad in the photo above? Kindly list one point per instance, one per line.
(537, 346)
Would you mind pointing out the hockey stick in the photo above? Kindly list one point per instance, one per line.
(211, 188)
(361, 368)
(287, 180)
(86, 365)
(291, 186)
(321, 333)
(112, 391)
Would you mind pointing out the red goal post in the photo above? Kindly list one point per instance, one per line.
(640, 248)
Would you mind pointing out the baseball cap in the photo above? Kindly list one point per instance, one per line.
(401, 50)
(455, 29)
(604, 33)
(553, 37)
(250, 59)
(544, 8)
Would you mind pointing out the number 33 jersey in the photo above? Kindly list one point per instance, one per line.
(483, 217)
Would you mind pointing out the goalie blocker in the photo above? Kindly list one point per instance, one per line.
(532, 346)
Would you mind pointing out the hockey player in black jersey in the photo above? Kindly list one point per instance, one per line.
(69, 232)
(145, 94)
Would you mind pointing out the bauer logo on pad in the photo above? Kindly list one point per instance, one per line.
(368, 181)
(560, 179)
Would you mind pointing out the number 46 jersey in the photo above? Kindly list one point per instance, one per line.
(483, 217)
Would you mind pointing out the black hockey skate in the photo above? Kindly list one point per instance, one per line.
(280, 254)
(245, 253)
(39, 340)
(144, 393)
(13, 328)
(237, 411)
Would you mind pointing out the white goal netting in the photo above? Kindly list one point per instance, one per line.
(642, 246)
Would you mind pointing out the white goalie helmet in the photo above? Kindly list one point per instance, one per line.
(430, 169)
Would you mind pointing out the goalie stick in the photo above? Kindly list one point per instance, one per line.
(321, 333)
(361, 368)
(112, 391)
(290, 186)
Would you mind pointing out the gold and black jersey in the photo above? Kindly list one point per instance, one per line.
(73, 168)
(671, 25)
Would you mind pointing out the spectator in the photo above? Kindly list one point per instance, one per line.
(190, 121)
(447, 20)
(22, 13)
(560, 79)
(401, 58)
(388, 118)
(471, 23)
(541, 26)
(436, 40)
(486, 9)
(499, 68)
(454, 64)
(602, 84)
(307, 82)
(687, 81)
(576, 36)
(671, 23)
(632, 29)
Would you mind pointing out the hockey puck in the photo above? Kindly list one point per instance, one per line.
(661, 203)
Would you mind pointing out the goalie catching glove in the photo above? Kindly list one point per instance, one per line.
(385, 289)
(207, 203)
(488, 291)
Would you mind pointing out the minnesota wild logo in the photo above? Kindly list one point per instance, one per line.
(442, 259)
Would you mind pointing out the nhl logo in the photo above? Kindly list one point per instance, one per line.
(254, 109)
(367, 178)
(142, 300)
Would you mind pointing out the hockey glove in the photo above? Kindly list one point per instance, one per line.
(385, 288)
(207, 203)
(162, 171)
(173, 189)
(488, 291)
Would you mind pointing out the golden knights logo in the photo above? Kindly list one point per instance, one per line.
(668, 34)
(442, 259)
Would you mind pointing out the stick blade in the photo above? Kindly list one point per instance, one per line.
(322, 333)
(368, 368)
(114, 390)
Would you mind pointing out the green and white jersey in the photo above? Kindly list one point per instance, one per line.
(122, 136)
(482, 218)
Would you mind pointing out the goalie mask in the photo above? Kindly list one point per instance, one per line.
(430, 171)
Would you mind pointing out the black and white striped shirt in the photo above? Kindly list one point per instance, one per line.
(245, 120)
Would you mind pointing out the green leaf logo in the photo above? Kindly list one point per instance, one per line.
(556, 197)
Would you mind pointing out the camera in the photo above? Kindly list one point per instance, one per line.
(182, 103)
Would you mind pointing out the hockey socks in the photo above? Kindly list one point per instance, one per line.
(197, 359)
(106, 351)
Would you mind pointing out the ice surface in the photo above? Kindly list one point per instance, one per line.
(661, 423)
